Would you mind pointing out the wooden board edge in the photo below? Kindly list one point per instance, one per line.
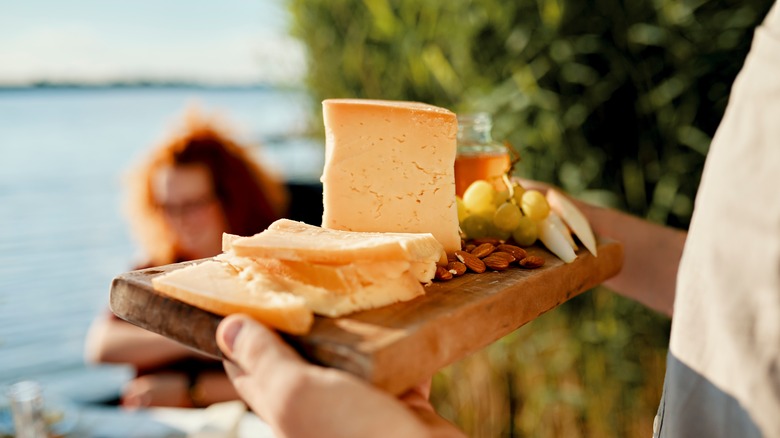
(459, 345)
(131, 298)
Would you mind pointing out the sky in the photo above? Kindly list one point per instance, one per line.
(231, 42)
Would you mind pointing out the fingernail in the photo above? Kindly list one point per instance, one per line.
(230, 332)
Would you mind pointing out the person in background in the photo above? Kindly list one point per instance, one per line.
(193, 187)
(720, 281)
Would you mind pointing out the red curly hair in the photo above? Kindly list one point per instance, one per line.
(251, 196)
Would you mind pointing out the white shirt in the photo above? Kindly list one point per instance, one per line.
(723, 370)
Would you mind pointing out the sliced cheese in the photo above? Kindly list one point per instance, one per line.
(389, 167)
(337, 278)
(227, 241)
(372, 271)
(330, 290)
(324, 302)
(347, 277)
(290, 240)
(216, 287)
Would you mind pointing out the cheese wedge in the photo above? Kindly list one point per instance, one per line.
(389, 167)
(216, 287)
(290, 240)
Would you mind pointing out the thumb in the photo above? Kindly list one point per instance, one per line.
(260, 363)
(258, 353)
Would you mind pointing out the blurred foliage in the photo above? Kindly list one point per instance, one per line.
(613, 100)
(592, 368)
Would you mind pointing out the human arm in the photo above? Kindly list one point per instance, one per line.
(111, 340)
(174, 389)
(651, 252)
(651, 257)
(299, 399)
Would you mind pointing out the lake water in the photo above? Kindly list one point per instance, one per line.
(62, 236)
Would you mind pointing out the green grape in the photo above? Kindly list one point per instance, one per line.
(535, 205)
(501, 197)
(507, 216)
(517, 195)
(525, 233)
(476, 226)
(497, 233)
(462, 210)
(478, 197)
(488, 212)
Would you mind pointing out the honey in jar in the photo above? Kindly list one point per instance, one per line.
(478, 156)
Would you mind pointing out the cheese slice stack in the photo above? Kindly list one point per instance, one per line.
(390, 167)
(284, 274)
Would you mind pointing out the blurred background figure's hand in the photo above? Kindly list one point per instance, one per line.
(163, 389)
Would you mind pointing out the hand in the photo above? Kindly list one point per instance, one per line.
(164, 389)
(299, 399)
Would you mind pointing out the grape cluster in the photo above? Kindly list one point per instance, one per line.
(485, 212)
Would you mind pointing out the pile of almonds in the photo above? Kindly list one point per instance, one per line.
(479, 255)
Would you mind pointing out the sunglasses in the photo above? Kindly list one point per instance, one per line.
(187, 208)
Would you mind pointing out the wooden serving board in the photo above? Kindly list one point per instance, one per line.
(396, 346)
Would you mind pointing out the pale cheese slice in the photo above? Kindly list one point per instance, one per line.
(290, 240)
(227, 241)
(335, 275)
(327, 289)
(216, 287)
(337, 278)
(324, 302)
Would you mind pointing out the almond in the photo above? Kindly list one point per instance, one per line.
(504, 255)
(496, 263)
(451, 257)
(469, 247)
(456, 268)
(491, 240)
(517, 252)
(483, 250)
(471, 262)
(532, 262)
(442, 273)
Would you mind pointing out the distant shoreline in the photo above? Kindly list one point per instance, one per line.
(144, 85)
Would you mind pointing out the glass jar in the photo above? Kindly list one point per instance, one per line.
(26, 399)
(478, 156)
